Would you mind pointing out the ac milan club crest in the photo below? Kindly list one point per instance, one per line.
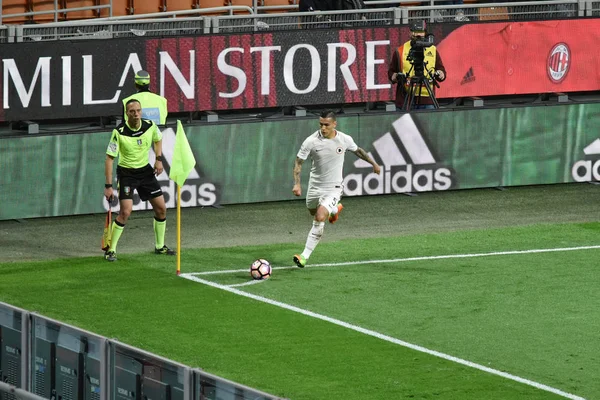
(559, 62)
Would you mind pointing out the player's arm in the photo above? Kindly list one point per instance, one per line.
(297, 190)
(112, 151)
(108, 169)
(363, 155)
(157, 140)
(158, 164)
(302, 155)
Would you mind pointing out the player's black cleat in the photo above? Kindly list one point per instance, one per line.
(110, 256)
(166, 251)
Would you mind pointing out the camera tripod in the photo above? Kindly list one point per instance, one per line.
(415, 85)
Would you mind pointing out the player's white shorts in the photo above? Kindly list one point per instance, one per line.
(328, 197)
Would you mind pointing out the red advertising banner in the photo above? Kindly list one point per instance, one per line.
(275, 69)
(61, 79)
(521, 57)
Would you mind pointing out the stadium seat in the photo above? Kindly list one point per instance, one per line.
(15, 7)
(147, 6)
(249, 3)
(493, 13)
(121, 7)
(269, 3)
(45, 5)
(178, 5)
(408, 4)
(213, 3)
(75, 15)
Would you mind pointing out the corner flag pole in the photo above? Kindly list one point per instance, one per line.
(178, 229)
(183, 163)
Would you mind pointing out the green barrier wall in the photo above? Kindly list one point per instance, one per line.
(252, 162)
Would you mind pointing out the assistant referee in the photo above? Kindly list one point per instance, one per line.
(154, 106)
(131, 141)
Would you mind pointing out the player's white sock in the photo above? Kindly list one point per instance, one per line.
(314, 236)
(333, 210)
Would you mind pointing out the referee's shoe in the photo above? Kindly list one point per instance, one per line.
(110, 256)
(165, 250)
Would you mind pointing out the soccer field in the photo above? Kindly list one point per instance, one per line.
(481, 294)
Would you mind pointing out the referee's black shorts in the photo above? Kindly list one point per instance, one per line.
(141, 179)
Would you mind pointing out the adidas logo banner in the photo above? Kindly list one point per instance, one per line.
(241, 163)
(408, 164)
(588, 169)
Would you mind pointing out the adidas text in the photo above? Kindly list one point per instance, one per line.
(193, 194)
(398, 180)
(586, 171)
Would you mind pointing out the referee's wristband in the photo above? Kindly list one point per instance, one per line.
(159, 158)
(107, 185)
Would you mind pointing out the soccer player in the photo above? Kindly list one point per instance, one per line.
(327, 148)
(131, 141)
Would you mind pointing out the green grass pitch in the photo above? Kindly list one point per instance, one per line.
(478, 294)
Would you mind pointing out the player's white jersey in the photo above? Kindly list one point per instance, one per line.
(327, 157)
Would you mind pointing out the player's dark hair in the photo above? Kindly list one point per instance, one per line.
(132, 101)
(328, 114)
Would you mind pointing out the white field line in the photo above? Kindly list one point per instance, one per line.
(252, 282)
(399, 260)
(384, 337)
(230, 289)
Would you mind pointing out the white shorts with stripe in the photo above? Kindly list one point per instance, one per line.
(326, 197)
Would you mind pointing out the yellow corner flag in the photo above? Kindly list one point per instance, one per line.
(183, 161)
(182, 164)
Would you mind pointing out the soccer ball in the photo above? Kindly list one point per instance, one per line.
(260, 269)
